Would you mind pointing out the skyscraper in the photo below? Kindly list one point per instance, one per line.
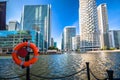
(103, 25)
(76, 42)
(88, 24)
(13, 25)
(52, 42)
(62, 42)
(3, 15)
(114, 39)
(38, 17)
(69, 32)
(55, 44)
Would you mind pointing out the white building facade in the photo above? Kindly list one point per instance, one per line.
(88, 23)
(69, 32)
(76, 42)
(13, 25)
(103, 25)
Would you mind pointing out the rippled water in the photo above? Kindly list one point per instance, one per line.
(65, 64)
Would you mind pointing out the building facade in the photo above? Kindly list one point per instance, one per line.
(13, 25)
(3, 15)
(38, 18)
(55, 44)
(114, 39)
(103, 25)
(9, 39)
(62, 42)
(88, 24)
(76, 43)
(69, 32)
(73, 44)
(52, 42)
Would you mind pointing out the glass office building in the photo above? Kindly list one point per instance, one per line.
(2, 15)
(114, 39)
(8, 39)
(69, 32)
(37, 17)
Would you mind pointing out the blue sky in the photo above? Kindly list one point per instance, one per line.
(64, 13)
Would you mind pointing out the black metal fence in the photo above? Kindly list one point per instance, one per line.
(88, 70)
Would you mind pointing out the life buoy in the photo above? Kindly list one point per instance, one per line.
(18, 61)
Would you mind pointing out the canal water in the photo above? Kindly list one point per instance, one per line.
(58, 65)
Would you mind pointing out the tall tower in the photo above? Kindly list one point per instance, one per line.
(103, 25)
(13, 25)
(3, 15)
(69, 32)
(88, 25)
(38, 18)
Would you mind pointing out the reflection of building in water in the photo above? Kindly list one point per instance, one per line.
(3, 15)
(8, 39)
(38, 18)
(114, 38)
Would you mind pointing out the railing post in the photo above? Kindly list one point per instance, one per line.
(110, 74)
(28, 68)
(27, 59)
(88, 71)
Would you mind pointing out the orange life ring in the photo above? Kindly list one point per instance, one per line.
(18, 61)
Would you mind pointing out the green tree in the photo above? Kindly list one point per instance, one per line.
(52, 48)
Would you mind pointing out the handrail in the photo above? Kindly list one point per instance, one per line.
(13, 77)
(96, 77)
(60, 77)
(44, 77)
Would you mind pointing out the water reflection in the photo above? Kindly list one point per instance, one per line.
(65, 64)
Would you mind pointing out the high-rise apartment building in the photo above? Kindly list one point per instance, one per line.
(38, 18)
(13, 25)
(103, 25)
(3, 15)
(88, 24)
(69, 32)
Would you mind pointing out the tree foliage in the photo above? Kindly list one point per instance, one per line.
(52, 48)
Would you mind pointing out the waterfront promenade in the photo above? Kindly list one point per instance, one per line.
(98, 51)
(101, 51)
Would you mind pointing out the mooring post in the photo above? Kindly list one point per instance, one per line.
(110, 74)
(27, 59)
(28, 68)
(88, 70)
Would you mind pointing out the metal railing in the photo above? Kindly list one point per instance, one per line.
(5, 78)
(88, 70)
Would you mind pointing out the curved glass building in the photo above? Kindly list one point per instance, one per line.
(38, 18)
(88, 25)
